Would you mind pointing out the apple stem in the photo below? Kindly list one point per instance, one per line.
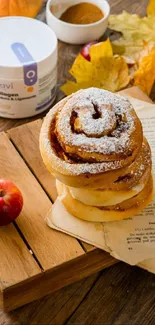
(2, 193)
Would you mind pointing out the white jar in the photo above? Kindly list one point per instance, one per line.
(28, 67)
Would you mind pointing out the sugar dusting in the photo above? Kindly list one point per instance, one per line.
(99, 126)
(63, 111)
(83, 103)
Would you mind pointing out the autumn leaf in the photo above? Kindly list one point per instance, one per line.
(128, 60)
(103, 71)
(151, 8)
(147, 49)
(71, 87)
(144, 77)
(134, 29)
(101, 50)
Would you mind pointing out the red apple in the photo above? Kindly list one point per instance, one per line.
(85, 50)
(11, 202)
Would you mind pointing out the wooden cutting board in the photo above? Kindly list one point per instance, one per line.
(34, 259)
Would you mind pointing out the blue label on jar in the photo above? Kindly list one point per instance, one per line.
(29, 65)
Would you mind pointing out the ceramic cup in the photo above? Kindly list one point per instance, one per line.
(73, 33)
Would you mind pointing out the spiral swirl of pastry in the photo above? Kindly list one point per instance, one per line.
(90, 133)
(96, 126)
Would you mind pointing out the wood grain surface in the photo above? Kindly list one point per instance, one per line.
(54, 279)
(51, 248)
(13, 252)
(117, 296)
(31, 132)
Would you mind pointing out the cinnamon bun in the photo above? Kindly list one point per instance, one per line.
(92, 142)
(89, 137)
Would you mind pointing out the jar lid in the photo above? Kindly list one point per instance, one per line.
(25, 41)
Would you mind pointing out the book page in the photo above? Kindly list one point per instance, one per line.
(60, 219)
(133, 240)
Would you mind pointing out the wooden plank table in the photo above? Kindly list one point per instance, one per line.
(119, 295)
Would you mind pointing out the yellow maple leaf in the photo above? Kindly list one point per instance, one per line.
(151, 8)
(147, 49)
(134, 29)
(81, 69)
(71, 87)
(112, 73)
(97, 52)
(144, 77)
(103, 71)
(101, 50)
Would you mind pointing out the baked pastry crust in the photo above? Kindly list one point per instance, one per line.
(78, 158)
(126, 209)
(92, 142)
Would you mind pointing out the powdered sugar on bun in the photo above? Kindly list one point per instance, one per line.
(106, 123)
(90, 132)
